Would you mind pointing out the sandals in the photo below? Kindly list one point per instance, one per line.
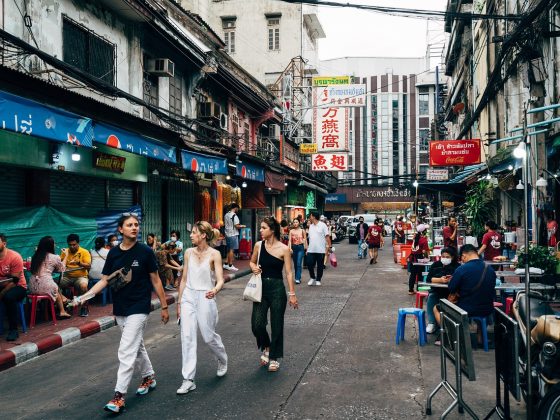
(273, 366)
(264, 358)
(64, 316)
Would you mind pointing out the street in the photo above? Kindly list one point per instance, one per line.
(340, 361)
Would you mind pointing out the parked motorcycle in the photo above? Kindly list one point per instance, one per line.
(339, 234)
(544, 339)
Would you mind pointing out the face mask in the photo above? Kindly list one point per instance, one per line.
(115, 243)
(446, 261)
(173, 239)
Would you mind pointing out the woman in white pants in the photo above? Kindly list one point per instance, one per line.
(201, 281)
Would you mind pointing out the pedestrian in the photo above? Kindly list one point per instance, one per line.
(284, 231)
(112, 241)
(361, 233)
(78, 262)
(98, 257)
(319, 245)
(13, 291)
(419, 250)
(450, 233)
(270, 257)
(491, 242)
(201, 281)
(399, 230)
(166, 265)
(232, 226)
(297, 243)
(374, 239)
(131, 307)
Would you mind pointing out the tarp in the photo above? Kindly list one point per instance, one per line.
(107, 221)
(26, 225)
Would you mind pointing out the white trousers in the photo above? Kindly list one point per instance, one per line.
(132, 352)
(196, 309)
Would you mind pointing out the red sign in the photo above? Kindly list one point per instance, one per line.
(454, 152)
(329, 162)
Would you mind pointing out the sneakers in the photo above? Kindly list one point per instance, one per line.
(230, 267)
(311, 282)
(317, 283)
(430, 328)
(298, 281)
(148, 383)
(13, 335)
(186, 386)
(84, 311)
(222, 369)
(116, 404)
(225, 266)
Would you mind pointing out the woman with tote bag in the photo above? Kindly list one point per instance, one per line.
(269, 257)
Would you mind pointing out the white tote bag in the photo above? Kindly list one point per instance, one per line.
(253, 290)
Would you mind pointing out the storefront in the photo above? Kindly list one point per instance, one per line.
(275, 193)
(253, 202)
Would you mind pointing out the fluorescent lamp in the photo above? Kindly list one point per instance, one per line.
(520, 186)
(75, 155)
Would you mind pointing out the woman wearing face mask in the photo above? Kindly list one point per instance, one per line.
(440, 272)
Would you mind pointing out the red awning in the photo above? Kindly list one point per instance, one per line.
(253, 196)
(274, 180)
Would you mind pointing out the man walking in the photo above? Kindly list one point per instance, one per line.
(13, 289)
(375, 240)
(319, 246)
(450, 233)
(361, 233)
(232, 226)
(400, 235)
(77, 265)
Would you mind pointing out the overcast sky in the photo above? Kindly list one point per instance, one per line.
(353, 32)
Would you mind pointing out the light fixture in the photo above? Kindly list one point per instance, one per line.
(285, 184)
(228, 177)
(75, 155)
(415, 184)
(541, 182)
(155, 172)
(269, 189)
(520, 151)
(510, 167)
(520, 186)
(244, 185)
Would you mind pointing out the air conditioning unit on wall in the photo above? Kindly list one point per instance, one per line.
(162, 67)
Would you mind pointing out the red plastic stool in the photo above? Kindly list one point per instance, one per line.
(498, 304)
(420, 299)
(509, 304)
(34, 300)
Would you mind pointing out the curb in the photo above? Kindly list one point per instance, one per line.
(27, 351)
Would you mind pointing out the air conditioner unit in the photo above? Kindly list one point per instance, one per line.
(209, 110)
(223, 121)
(163, 67)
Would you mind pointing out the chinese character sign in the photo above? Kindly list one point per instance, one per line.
(330, 129)
(340, 95)
(454, 152)
(329, 162)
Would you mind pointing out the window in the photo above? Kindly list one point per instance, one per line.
(176, 94)
(150, 95)
(424, 102)
(228, 25)
(424, 135)
(273, 33)
(87, 51)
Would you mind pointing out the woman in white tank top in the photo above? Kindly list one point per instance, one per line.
(201, 281)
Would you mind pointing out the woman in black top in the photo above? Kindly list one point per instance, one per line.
(274, 256)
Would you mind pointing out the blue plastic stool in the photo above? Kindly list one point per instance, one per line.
(420, 315)
(21, 316)
(483, 325)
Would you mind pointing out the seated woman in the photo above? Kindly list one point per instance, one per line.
(166, 265)
(440, 272)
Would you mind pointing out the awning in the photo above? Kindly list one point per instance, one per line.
(253, 196)
(304, 183)
(198, 162)
(274, 180)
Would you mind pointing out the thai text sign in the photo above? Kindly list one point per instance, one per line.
(454, 152)
(109, 162)
(335, 80)
(308, 148)
(197, 162)
(437, 174)
(387, 194)
(329, 162)
(330, 129)
(340, 95)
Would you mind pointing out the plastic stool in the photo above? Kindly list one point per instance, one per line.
(424, 288)
(509, 304)
(498, 304)
(420, 299)
(34, 300)
(21, 316)
(420, 315)
(483, 325)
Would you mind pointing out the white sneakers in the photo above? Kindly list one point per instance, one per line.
(222, 369)
(430, 328)
(186, 387)
(311, 282)
(317, 283)
(230, 267)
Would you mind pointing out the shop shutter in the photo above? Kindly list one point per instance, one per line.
(121, 195)
(151, 206)
(181, 207)
(76, 194)
(13, 187)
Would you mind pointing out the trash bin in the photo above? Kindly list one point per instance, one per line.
(405, 252)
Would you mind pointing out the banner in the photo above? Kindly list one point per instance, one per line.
(326, 80)
(454, 152)
(335, 198)
(340, 95)
(329, 162)
(197, 162)
(250, 171)
(308, 148)
(330, 129)
(388, 194)
(133, 143)
(437, 174)
(25, 116)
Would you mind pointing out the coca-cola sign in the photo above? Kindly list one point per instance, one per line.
(454, 152)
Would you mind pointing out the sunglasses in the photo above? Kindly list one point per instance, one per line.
(129, 214)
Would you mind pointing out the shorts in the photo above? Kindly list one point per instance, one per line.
(75, 282)
(374, 246)
(232, 242)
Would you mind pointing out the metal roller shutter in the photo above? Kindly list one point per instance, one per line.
(121, 195)
(151, 206)
(76, 194)
(181, 207)
(13, 187)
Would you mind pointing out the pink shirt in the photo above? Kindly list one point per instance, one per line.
(12, 263)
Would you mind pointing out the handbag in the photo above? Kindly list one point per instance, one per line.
(332, 259)
(253, 289)
(454, 297)
(123, 276)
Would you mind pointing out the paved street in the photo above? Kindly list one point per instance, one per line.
(340, 362)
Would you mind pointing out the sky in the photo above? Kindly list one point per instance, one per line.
(378, 35)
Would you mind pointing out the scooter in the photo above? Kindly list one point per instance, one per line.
(544, 339)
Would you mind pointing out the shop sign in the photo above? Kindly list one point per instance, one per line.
(133, 143)
(308, 148)
(330, 129)
(335, 80)
(24, 116)
(341, 95)
(454, 152)
(437, 174)
(376, 194)
(197, 162)
(335, 198)
(329, 162)
(109, 162)
(249, 171)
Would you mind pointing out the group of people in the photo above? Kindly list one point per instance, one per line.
(370, 238)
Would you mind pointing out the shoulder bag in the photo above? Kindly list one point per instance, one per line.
(253, 290)
(123, 276)
(454, 297)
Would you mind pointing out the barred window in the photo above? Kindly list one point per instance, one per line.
(273, 34)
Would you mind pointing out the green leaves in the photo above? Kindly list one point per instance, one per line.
(539, 257)
(479, 206)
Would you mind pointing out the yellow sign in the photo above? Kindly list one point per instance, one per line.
(335, 80)
(308, 148)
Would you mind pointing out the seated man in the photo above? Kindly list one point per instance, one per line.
(13, 290)
(77, 265)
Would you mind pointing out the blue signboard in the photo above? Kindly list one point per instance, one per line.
(133, 143)
(197, 162)
(250, 171)
(24, 116)
(335, 198)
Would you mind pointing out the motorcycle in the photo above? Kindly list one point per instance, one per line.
(544, 339)
(339, 233)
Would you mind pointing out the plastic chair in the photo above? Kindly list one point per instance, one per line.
(420, 296)
(509, 304)
(420, 315)
(21, 313)
(34, 300)
(483, 325)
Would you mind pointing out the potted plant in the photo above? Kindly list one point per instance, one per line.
(540, 257)
(479, 206)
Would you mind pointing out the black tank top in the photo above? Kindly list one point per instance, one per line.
(270, 265)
